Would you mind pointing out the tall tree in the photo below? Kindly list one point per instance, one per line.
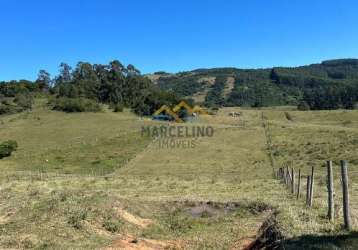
(132, 71)
(65, 73)
(86, 80)
(43, 80)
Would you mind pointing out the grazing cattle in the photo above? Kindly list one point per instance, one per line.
(235, 114)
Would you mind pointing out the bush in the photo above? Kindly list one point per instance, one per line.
(111, 225)
(177, 223)
(76, 217)
(5, 109)
(14, 105)
(24, 101)
(75, 105)
(303, 106)
(118, 107)
(7, 147)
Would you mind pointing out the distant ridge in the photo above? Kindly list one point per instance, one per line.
(266, 86)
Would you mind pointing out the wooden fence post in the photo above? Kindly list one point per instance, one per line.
(308, 187)
(311, 188)
(299, 184)
(346, 212)
(279, 173)
(289, 179)
(293, 181)
(330, 191)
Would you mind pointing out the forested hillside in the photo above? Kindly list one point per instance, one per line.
(85, 88)
(329, 85)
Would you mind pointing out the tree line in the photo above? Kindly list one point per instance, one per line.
(329, 85)
(87, 85)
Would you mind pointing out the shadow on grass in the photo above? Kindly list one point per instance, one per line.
(308, 242)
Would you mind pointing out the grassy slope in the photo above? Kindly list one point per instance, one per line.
(63, 211)
(310, 139)
(71, 143)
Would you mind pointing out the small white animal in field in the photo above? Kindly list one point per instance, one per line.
(235, 114)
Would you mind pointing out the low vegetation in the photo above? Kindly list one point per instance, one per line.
(6, 148)
(82, 180)
(71, 173)
(11, 105)
(214, 97)
(117, 107)
(75, 105)
(87, 86)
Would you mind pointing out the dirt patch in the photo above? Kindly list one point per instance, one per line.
(97, 229)
(210, 208)
(245, 243)
(4, 219)
(133, 219)
(210, 80)
(229, 86)
(130, 242)
(203, 210)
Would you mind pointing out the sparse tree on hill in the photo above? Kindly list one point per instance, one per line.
(43, 80)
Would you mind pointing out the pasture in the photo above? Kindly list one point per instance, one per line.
(92, 181)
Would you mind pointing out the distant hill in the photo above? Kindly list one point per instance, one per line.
(327, 85)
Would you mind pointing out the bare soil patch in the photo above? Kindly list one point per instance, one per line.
(133, 219)
(210, 208)
(131, 242)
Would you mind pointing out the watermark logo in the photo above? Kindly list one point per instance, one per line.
(177, 136)
(173, 113)
(174, 135)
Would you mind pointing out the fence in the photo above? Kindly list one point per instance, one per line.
(288, 177)
(45, 176)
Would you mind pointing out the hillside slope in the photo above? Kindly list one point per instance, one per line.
(91, 181)
(272, 86)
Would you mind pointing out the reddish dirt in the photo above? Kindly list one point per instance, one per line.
(135, 220)
(130, 242)
(245, 243)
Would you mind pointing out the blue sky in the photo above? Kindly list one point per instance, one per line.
(173, 35)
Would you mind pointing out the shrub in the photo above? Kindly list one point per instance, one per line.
(8, 109)
(14, 105)
(111, 225)
(75, 105)
(303, 106)
(76, 217)
(4, 100)
(24, 101)
(177, 223)
(7, 147)
(5, 109)
(118, 107)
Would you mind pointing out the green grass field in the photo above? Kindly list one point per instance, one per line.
(73, 175)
